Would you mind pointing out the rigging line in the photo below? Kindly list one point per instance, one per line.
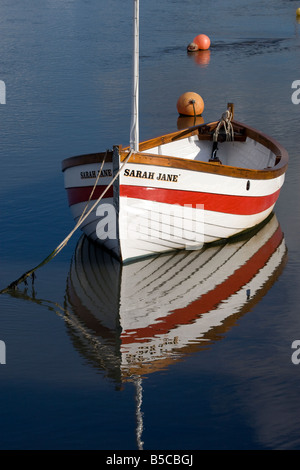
(55, 252)
(66, 315)
(93, 190)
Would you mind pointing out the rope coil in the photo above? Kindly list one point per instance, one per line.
(225, 122)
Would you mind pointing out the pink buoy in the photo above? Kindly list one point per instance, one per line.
(202, 41)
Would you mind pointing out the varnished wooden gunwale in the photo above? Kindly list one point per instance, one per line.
(84, 159)
(205, 132)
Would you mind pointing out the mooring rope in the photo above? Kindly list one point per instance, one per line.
(65, 313)
(193, 103)
(82, 218)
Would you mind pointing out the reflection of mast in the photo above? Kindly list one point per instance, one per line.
(139, 413)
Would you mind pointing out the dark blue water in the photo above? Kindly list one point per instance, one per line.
(67, 70)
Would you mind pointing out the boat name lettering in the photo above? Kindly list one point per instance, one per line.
(94, 174)
(150, 175)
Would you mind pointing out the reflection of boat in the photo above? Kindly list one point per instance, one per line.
(178, 190)
(134, 319)
(144, 315)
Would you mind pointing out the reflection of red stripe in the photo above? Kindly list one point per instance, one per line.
(211, 299)
(242, 205)
(82, 194)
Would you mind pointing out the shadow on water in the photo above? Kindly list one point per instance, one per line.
(244, 47)
(251, 46)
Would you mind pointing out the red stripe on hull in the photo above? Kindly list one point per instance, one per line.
(238, 205)
(82, 194)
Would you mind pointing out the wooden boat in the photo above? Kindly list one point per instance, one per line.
(177, 191)
(169, 195)
(137, 318)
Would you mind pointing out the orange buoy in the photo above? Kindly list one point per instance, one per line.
(190, 104)
(202, 41)
(298, 12)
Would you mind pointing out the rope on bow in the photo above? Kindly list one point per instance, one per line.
(82, 218)
(225, 122)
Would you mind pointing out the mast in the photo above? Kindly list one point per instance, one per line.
(134, 130)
